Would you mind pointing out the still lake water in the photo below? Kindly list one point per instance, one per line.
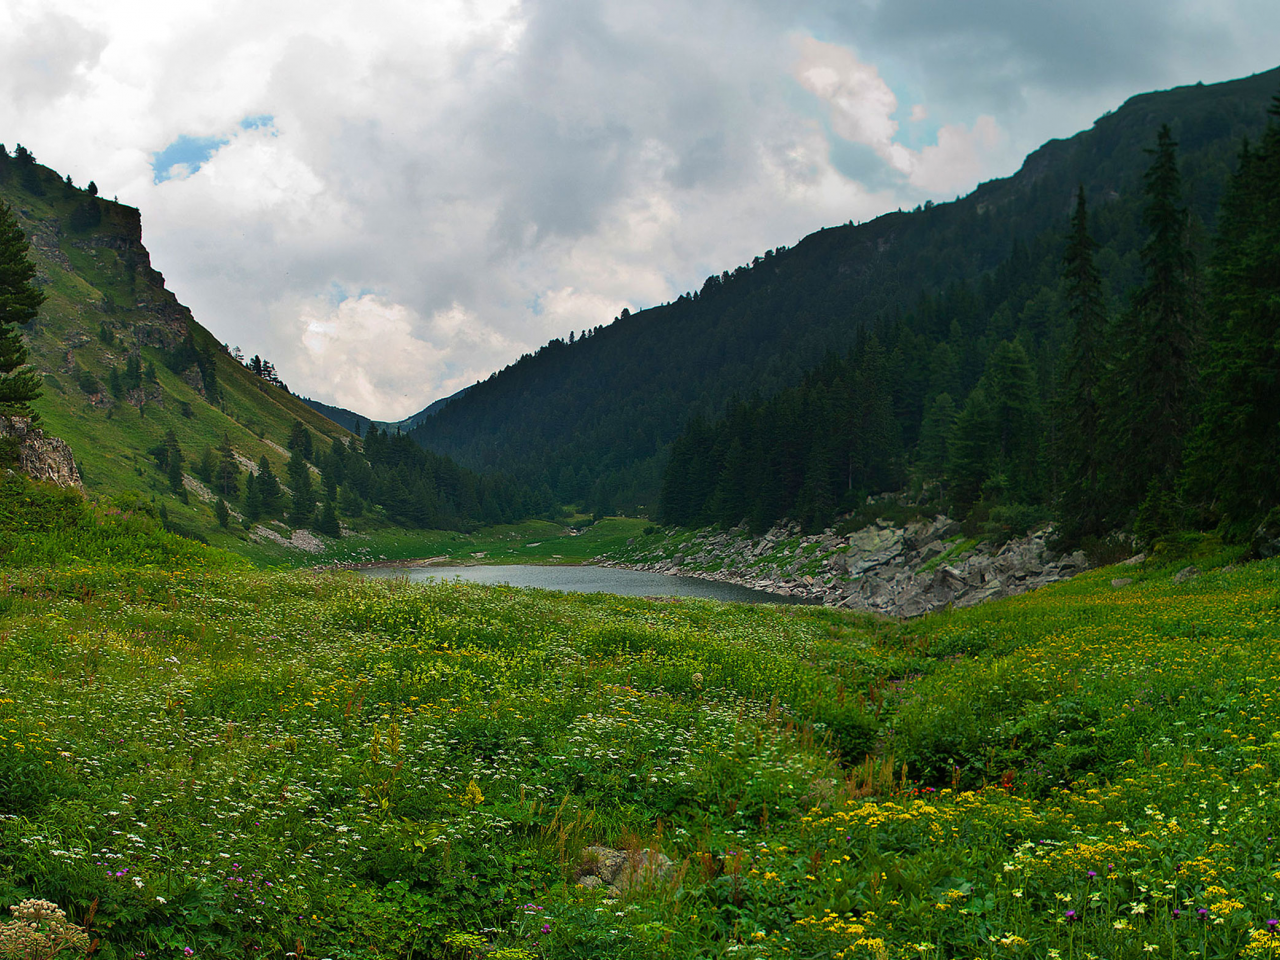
(585, 579)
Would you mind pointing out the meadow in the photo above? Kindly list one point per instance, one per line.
(205, 759)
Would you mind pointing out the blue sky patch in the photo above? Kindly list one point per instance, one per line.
(192, 152)
(263, 121)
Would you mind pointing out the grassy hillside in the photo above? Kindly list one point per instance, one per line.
(105, 302)
(235, 763)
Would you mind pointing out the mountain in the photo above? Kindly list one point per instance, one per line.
(593, 420)
(358, 423)
(129, 375)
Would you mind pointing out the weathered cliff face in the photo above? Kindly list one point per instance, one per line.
(41, 456)
(901, 571)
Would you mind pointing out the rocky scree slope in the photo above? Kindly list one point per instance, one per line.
(899, 570)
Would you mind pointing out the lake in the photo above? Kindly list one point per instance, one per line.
(585, 579)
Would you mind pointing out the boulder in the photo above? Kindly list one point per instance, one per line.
(1119, 582)
(619, 870)
(1265, 542)
(1185, 574)
(40, 456)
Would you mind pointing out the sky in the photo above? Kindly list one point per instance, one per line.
(391, 199)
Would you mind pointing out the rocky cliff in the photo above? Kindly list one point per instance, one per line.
(899, 570)
(40, 456)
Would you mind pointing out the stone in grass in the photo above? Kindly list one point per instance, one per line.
(618, 870)
(1185, 574)
(1119, 582)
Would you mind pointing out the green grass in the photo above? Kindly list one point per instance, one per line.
(239, 762)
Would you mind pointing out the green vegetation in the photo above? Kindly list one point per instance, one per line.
(230, 762)
(1039, 391)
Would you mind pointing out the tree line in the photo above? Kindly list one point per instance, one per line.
(1038, 390)
(388, 478)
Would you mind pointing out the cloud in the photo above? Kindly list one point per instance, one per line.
(45, 57)
(862, 106)
(391, 200)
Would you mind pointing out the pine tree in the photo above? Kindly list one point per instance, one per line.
(1078, 449)
(173, 462)
(252, 498)
(300, 440)
(208, 465)
(935, 435)
(328, 522)
(20, 300)
(227, 473)
(971, 449)
(221, 512)
(268, 488)
(1233, 467)
(303, 508)
(1155, 376)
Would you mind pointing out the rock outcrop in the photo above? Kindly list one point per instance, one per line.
(40, 456)
(618, 870)
(901, 571)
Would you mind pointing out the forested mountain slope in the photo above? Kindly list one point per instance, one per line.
(594, 419)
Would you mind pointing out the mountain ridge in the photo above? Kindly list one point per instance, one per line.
(593, 420)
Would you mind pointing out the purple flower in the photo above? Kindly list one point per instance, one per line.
(546, 927)
(1203, 912)
(1273, 924)
(1092, 874)
(1070, 915)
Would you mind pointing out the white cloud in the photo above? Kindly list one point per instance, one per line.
(862, 107)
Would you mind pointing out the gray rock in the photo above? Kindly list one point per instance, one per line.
(932, 549)
(1133, 561)
(1266, 539)
(619, 870)
(1119, 582)
(40, 456)
(1185, 574)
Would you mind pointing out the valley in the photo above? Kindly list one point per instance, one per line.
(1009, 458)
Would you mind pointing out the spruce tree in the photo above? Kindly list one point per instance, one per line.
(328, 522)
(227, 475)
(221, 512)
(252, 498)
(1155, 376)
(268, 488)
(20, 300)
(935, 435)
(1015, 420)
(303, 508)
(1078, 451)
(173, 462)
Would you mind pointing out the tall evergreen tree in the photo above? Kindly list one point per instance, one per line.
(1155, 376)
(227, 473)
(1015, 420)
(252, 498)
(303, 510)
(1078, 449)
(1233, 465)
(268, 488)
(20, 300)
(173, 462)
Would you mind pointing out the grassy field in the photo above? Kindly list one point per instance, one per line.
(233, 762)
